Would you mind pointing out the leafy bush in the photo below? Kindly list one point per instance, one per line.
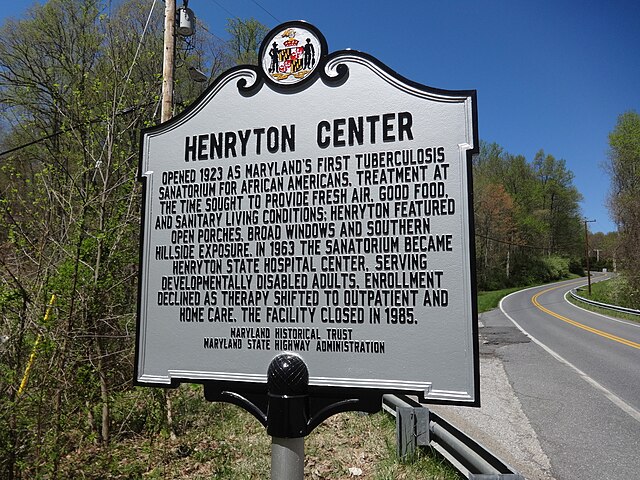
(575, 267)
(556, 267)
(537, 270)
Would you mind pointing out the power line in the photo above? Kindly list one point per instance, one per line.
(202, 25)
(224, 8)
(15, 149)
(523, 245)
(135, 57)
(268, 12)
(236, 16)
(73, 127)
(511, 244)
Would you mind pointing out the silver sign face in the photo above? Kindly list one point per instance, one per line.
(330, 219)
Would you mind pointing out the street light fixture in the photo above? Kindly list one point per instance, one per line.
(196, 75)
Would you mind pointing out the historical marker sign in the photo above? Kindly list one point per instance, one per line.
(317, 204)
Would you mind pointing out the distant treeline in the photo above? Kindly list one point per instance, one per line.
(528, 222)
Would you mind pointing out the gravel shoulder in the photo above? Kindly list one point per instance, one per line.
(500, 424)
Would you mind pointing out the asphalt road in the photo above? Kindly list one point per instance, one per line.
(577, 377)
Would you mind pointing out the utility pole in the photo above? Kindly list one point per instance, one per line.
(166, 113)
(586, 251)
(168, 60)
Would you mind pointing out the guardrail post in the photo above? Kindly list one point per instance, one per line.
(412, 430)
(417, 426)
(412, 424)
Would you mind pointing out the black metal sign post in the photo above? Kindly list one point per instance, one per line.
(290, 409)
(307, 241)
(287, 415)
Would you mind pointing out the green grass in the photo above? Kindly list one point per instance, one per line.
(490, 300)
(613, 292)
(222, 441)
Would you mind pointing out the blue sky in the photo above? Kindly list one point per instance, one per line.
(550, 75)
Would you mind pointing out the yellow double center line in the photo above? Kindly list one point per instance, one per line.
(610, 336)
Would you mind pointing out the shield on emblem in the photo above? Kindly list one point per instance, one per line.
(290, 60)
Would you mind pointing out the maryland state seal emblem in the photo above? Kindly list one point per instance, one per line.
(290, 55)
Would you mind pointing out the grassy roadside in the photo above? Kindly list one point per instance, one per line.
(222, 441)
(490, 300)
(612, 292)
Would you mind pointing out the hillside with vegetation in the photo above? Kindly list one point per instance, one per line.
(528, 222)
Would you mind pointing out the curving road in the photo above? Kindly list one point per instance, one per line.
(578, 380)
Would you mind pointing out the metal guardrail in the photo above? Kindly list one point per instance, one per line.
(606, 306)
(417, 426)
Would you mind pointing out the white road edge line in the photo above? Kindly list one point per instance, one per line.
(619, 320)
(617, 401)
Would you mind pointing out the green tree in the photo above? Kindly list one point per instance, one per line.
(602, 249)
(525, 213)
(72, 75)
(624, 199)
(494, 220)
(78, 80)
(246, 37)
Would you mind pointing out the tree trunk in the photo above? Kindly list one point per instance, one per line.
(169, 407)
(104, 396)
